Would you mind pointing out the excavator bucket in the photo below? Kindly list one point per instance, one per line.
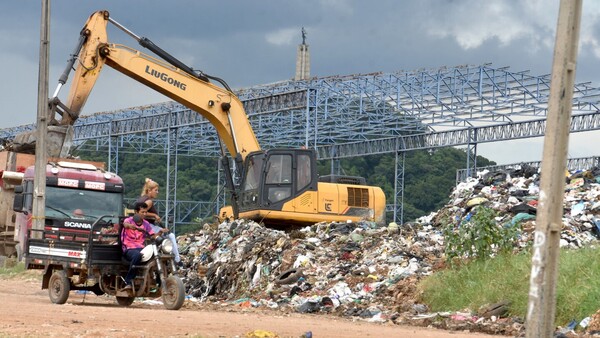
(59, 140)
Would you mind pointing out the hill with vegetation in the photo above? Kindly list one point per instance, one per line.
(429, 176)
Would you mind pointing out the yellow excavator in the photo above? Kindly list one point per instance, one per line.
(278, 187)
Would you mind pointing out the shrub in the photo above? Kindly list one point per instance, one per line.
(480, 237)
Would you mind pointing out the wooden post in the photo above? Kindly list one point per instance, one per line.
(544, 263)
(41, 156)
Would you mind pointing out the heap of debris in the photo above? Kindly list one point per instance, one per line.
(364, 271)
(353, 269)
(513, 193)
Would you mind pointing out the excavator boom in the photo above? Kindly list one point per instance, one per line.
(218, 105)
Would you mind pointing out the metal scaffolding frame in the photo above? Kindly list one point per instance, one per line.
(348, 116)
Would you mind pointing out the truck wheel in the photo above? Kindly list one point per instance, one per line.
(175, 293)
(125, 301)
(59, 287)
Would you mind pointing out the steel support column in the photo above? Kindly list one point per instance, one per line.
(221, 192)
(400, 157)
(472, 152)
(171, 197)
(113, 153)
(311, 119)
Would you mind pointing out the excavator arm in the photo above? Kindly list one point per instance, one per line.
(218, 105)
(88, 68)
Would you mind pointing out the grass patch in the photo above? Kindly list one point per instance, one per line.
(12, 270)
(506, 277)
(16, 270)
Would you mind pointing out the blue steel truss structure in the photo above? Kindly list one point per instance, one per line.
(347, 116)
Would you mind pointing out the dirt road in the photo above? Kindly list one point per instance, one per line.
(25, 310)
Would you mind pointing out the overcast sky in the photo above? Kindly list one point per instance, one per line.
(254, 42)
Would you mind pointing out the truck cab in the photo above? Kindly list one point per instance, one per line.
(76, 195)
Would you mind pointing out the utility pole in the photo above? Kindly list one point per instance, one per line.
(41, 156)
(544, 262)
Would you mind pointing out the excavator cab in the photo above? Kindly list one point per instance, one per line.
(281, 189)
(274, 177)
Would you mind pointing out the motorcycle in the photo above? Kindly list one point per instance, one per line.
(103, 268)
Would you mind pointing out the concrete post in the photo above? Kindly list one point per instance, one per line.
(544, 262)
(39, 183)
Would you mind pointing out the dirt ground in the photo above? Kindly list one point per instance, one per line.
(26, 311)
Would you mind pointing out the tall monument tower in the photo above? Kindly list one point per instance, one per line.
(303, 60)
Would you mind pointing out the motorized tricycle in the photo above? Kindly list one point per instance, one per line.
(93, 261)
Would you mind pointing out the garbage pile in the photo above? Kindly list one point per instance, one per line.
(360, 270)
(513, 193)
(344, 268)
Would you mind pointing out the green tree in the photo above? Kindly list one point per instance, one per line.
(429, 176)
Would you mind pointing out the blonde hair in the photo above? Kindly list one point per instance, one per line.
(148, 185)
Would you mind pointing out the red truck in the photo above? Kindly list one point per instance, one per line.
(70, 185)
(79, 247)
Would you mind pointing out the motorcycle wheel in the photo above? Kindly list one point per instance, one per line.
(125, 301)
(175, 293)
(59, 287)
